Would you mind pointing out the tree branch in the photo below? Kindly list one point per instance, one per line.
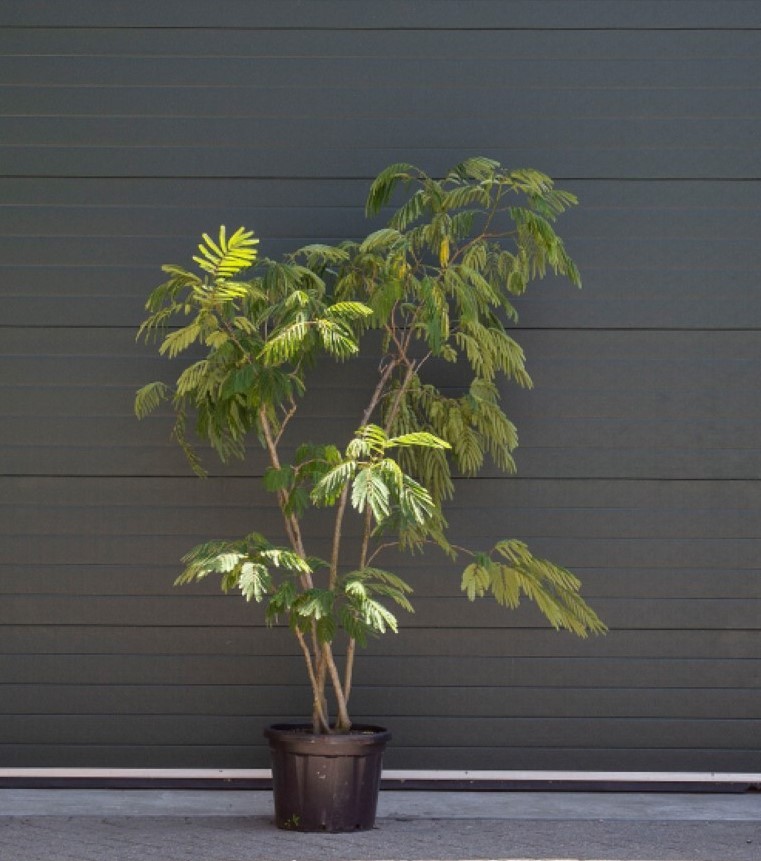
(319, 717)
(343, 723)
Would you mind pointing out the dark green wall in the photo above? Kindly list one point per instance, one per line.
(128, 129)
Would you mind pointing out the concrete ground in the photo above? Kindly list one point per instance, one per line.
(233, 825)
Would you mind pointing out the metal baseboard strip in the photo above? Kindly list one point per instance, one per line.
(261, 778)
(136, 778)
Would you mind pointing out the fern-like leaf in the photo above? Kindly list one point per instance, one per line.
(478, 168)
(227, 257)
(149, 397)
(384, 184)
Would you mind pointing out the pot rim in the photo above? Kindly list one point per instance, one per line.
(360, 735)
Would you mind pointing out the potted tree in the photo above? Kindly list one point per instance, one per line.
(433, 288)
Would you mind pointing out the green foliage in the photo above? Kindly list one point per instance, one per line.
(227, 257)
(363, 614)
(251, 565)
(378, 485)
(149, 397)
(259, 337)
(553, 589)
(437, 283)
(443, 272)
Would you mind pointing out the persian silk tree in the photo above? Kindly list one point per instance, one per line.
(436, 285)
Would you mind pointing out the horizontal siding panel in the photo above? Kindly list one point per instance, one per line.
(644, 463)
(543, 403)
(198, 198)
(394, 15)
(254, 754)
(582, 758)
(589, 535)
(179, 229)
(633, 298)
(655, 499)
(715, 162)
(428, 43)
(89, 756)
(630, 292)
(389, 701)
(687, 375)
(449, 612)
(660, 350)
(490, 72)
(648, 209)
(157, 209)
(629, 142)
(114, 508)
(434, 579)
(244, 99)
(457, 671)
(643, 255)
(168, 224)
(738, 438)
(495, 733)
(253, 639)
(657, 302)
(662, 273)
(701, 462)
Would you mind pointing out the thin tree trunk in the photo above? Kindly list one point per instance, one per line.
(351, 648)
(319, 719)
(343, 722)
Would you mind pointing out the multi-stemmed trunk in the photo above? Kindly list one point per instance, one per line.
(320, 659)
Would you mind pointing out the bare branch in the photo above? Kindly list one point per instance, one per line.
(319, 710)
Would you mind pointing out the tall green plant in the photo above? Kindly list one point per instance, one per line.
(437, 284)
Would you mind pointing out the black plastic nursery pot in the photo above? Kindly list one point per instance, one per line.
(326, 782)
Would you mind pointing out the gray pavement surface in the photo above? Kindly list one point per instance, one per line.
(231, 825)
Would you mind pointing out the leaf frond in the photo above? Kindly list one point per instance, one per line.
(227, 257)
